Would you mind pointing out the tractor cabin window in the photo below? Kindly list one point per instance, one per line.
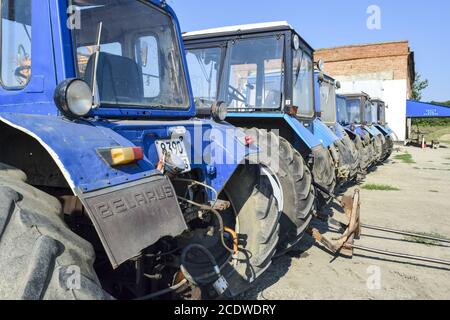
(16, 43)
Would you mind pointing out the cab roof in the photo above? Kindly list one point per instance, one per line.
(243, 28)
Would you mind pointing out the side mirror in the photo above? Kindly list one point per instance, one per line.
(73, 97)
(338, 85)
(320, 65)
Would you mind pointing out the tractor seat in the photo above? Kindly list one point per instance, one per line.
(119, 79)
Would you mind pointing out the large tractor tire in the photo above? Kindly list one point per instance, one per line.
(39, 255)
(390, 147)
(342, 162)
(352, 156)
(255, 216)
(324, 175)
(364, 155)
(295, 181)
(378, 148)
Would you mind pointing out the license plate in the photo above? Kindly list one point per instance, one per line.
(174, 147)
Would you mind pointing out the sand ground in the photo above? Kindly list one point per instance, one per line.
(422, 204)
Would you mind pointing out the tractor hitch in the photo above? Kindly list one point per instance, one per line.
(344, 244)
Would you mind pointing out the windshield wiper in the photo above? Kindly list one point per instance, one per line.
(95, 96)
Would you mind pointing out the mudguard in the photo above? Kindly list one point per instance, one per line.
(323, 133)
(372, 131)
(339, 131)
(295, 125)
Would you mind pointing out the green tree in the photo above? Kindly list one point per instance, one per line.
(418, 86)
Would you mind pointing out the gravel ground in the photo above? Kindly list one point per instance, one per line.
(422, 205)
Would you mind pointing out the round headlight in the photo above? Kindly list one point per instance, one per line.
(219, 111)
(296, 42)
(73, 97)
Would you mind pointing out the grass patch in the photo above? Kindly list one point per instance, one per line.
(379, 187)
(427, 242)
(405, 158)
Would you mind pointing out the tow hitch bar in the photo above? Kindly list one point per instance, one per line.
(351, 230)
(344, 244)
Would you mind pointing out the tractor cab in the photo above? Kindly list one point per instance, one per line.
(326, 107)
(362, 115)
(383, 126)
(264, 75)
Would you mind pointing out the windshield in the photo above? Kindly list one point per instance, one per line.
(303, 83)
(354, 111)
(328, 102)
(342, 110)
(253, 74)
(204, 65)
(140, 61)
(368, 112)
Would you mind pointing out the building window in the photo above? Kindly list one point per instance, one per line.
(16, 43)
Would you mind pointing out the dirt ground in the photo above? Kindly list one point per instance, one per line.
(422, 205)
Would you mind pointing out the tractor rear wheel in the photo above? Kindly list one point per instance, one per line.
(40, 257)
(255, 216)
(324, 175)
(352, 156)
(295, 182)
(364, 155)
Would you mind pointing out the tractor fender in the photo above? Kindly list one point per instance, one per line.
(309, 139)
(339, 131)
(323, 133)
(73, 145)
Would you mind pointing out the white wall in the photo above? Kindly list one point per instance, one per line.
(393, 92)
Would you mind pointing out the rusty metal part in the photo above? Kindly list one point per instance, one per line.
(221, 205)
(343, 244)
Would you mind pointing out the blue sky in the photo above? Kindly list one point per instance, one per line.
(328, 23)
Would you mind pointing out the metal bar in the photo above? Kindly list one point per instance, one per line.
(404, 233)
(401, 255)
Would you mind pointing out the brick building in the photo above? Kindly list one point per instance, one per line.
(383, 70)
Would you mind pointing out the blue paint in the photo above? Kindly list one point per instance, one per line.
(323, 133)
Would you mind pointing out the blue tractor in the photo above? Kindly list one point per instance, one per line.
(264, 75)
(355, 135)
(109, 187)
(362, 116)
(383, 126)
(327, 112)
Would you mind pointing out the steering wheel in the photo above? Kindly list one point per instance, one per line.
(235, 94)
(22, 56)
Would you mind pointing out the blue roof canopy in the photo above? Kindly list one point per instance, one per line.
(416, 109)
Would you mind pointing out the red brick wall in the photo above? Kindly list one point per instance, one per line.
(372, 58)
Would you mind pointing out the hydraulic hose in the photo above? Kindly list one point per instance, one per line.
(207, 253)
